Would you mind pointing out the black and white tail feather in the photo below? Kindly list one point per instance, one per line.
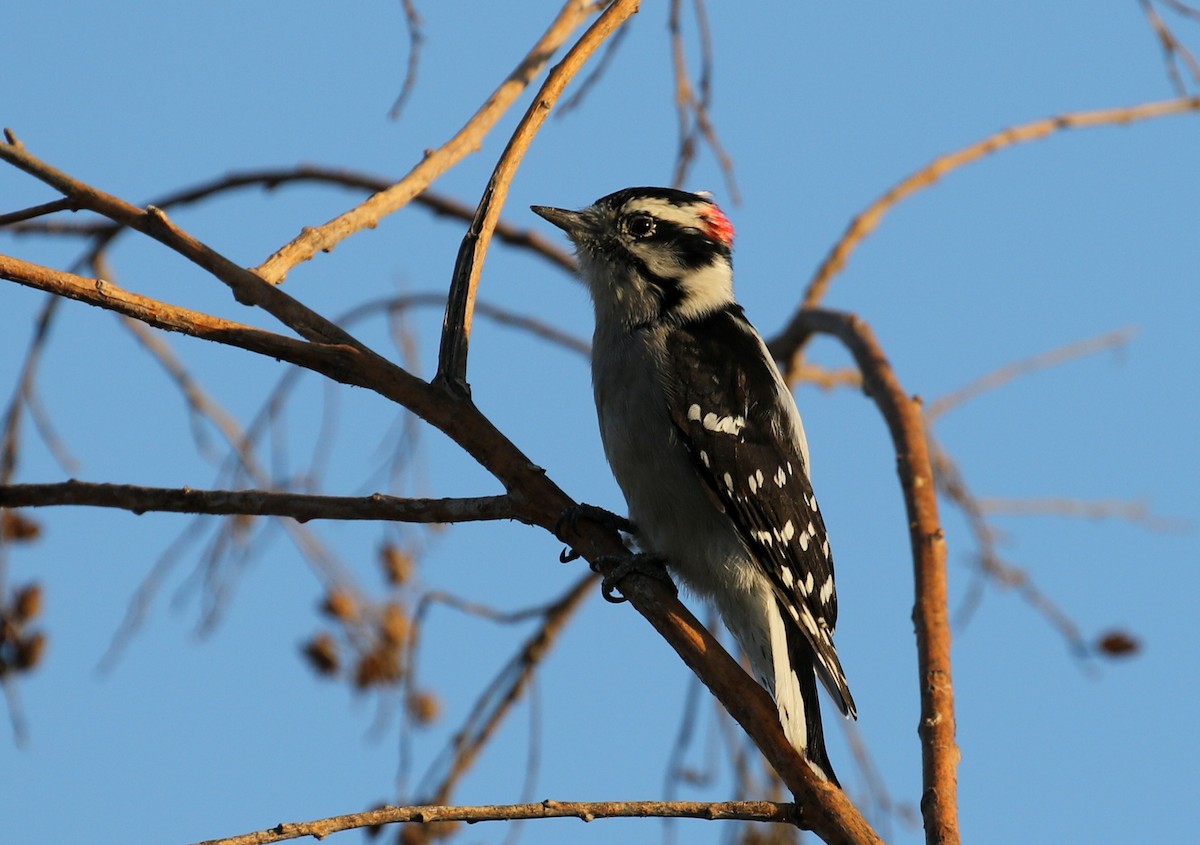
(706, 442)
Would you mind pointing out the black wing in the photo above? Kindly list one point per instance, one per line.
(727, 404)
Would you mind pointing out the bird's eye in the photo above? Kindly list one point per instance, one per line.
(640, 225)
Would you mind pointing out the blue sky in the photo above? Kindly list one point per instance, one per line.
(193, 736)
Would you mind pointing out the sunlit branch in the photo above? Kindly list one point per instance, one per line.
(868, 219)
(763, 811)
(436, 161)
(931, 613)
(468, 268)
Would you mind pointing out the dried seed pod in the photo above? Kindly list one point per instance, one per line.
(322, 654)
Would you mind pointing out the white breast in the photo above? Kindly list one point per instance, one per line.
(667, 500)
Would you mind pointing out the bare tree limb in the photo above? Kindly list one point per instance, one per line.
(468, 268)
(866, 221)
(272, 178)
(247, 287)
(1136, 512)
(502, 692)
(162, 315)
(416, 37)
(436, 162)
(763, 811)
(300, 506)
(1002, 376)
(931, 613)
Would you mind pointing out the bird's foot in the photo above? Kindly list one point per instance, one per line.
(651, 565)
(569, 519)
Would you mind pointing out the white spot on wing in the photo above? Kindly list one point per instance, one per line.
(789, 580)
(826, 590)
(704, 458)
(729, 482)
(780, 478)
(721, 425)
(803, 540)
(694, 412)
(808, 584)
(789, 531)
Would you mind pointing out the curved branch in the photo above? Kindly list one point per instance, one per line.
(762, 811)
(436, 162)
(300, 506)
(271, 178)
(866, 221)
(931, 612)
(464, 285)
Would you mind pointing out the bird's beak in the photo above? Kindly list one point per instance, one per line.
(571, 222)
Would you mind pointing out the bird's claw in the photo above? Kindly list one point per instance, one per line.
(570, 517)
(644, 563)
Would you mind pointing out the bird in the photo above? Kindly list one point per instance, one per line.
(706, 443)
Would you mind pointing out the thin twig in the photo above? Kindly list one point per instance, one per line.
(598, 68)
(497, 699)
(1002, 376)
(36, 211)
(412, 20)
(694, 112)
(1136, 512)
(503, 316)
(1173, 49)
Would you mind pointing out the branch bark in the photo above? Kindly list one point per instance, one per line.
(764, 811)
(299, 506)
(866, 221)
(468, 268)
(436, 162)
(931, 611)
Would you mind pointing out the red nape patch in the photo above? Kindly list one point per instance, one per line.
(718, 226)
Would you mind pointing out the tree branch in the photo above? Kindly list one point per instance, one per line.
(763, 811)
(272, 178)
(436, 162)
(468, 268)
(931, 613)
(866, 221)
(247, 287)
(163, 315)
(300, 506)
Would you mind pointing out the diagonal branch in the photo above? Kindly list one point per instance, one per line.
(436, 162)
(270, 179)
(162, 315)
(247, 287)
(464, 285)
(869, 218)
(1045, 360)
